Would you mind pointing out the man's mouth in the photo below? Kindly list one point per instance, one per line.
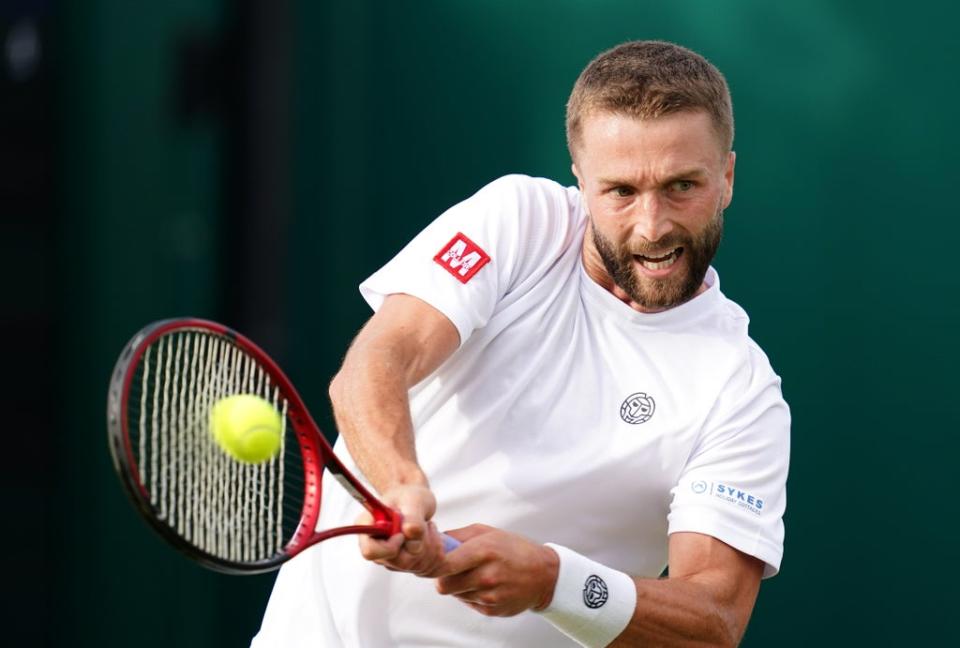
(659, 262)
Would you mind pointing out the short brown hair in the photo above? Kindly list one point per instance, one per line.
(648, 79)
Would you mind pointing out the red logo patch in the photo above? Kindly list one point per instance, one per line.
(462, 258)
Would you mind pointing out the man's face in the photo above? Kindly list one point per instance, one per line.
(655, 191)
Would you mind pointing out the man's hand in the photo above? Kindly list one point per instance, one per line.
(403, 343)
(418, 548)
(498, 573)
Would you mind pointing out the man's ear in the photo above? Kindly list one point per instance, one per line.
(576, 174)
(728, 177)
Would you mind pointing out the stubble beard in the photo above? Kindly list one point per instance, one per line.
(660, 294)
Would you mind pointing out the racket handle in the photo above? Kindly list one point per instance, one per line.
(449, 543)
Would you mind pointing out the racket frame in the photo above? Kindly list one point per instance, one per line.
(315, 452)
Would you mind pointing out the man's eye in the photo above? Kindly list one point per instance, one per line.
(623, 192)
(682, 186)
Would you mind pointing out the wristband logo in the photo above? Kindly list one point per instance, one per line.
(637, 408)
(595, 592)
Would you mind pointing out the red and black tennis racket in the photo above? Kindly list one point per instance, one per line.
(230, 516)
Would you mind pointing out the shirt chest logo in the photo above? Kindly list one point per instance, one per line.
(638, 408)
(462, 258)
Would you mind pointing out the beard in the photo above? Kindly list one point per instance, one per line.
(679, 287)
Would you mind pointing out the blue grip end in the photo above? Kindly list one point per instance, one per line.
(449, 544)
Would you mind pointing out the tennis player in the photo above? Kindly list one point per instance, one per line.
(553, 377)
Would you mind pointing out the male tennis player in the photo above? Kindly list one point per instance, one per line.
(554, 378)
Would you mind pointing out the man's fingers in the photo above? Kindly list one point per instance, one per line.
(457, 571)
(413, 530)
(377, 548)
(374, 549)
(473, 592)
(417, 504)
(457, 584)
(394, 553)
(485, 610)
(469, 532)
(488, 609)
(418, 548)
(468, 555)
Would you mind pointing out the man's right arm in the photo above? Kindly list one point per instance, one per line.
(403, 343)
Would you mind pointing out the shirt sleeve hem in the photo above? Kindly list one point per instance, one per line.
(708, 522)
(375, 296)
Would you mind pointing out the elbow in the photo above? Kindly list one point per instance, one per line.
(718, 627)
(728, 641)
(724, 630)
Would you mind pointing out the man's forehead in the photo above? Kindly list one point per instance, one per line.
(686, 138)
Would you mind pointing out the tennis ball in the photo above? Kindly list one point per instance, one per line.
(247, 427)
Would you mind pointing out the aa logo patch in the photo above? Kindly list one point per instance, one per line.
(462, 258)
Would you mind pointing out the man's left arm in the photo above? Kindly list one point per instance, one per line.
(706, 600)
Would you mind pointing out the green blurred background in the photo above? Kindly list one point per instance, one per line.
(252, 161)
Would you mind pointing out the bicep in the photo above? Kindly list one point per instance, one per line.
(414, 334)
(731, 576)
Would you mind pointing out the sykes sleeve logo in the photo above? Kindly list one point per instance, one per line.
(462, 258)
(729, 494)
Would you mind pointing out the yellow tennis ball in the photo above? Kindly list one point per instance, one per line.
(247, 427)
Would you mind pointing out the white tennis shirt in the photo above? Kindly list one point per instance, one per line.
(564, 416)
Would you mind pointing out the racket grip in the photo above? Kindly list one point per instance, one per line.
(449, 543)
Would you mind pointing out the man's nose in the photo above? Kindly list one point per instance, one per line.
(650, 218)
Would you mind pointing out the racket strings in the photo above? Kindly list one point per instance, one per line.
(232, 510)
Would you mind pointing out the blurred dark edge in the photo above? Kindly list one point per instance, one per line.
(27, 324)
(256, 182)
(235, 79)
(239, 78)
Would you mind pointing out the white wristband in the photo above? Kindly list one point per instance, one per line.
(592, 604)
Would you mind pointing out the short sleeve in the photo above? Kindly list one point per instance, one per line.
(733, 486)
(479, 250)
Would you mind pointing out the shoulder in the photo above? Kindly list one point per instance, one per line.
(531, 197)
(511, 213)
(741, 364)
(521, 184)
(529, 221)
(750, 356)
(751, 396)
